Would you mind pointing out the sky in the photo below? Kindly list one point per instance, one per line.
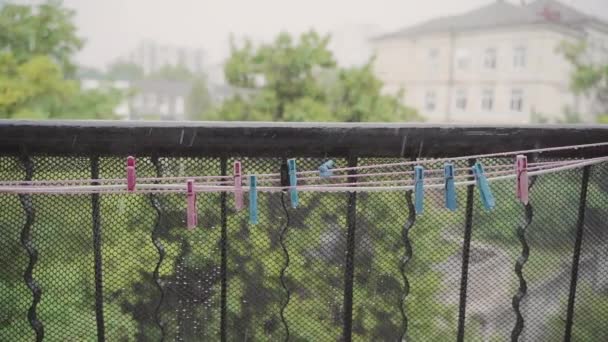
(112, 28)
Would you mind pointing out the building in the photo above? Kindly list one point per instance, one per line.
(152, 56)
(159, 99)
(495, 64)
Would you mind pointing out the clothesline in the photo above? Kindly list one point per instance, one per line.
(399, 185)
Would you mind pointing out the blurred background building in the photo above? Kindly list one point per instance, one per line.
(495, 64)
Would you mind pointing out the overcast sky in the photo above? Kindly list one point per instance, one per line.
(114, 27)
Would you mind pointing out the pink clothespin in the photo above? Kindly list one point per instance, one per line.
(131, 173)
(191, 213)
(521, 164)
(238, 186)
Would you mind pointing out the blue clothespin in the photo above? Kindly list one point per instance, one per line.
(293, 182)
(325, 169)
(418, 188)
(484, 188)
(450, 188)
(253, 199)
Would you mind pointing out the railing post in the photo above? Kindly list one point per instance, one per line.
(466, 248)
(97, 252)
(351, 221)
(223, 264)
(28, 245)
(580, 224)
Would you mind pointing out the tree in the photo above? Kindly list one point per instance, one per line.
(299, 80)
(47, 30)
(36, 63)
(587, 77)
(124, 71)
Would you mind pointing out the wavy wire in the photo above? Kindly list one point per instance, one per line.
(411, 219)
(155, 202)
(519, 266)
(26, 242)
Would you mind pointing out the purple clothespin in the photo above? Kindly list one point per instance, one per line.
(191, 214)
(521, 165)
(238, 186)
(131, 175)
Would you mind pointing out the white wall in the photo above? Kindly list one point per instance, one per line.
(544, 80)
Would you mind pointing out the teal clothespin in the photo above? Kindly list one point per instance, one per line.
(325, 169)
(418, 188)
(450, 188)
(253, 199)
(293, 182)
(484, 187)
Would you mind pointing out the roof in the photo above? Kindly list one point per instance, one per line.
(501, 13)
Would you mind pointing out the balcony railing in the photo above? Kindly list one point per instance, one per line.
(342, 266)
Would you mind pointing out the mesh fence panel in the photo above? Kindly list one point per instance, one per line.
(161, 280)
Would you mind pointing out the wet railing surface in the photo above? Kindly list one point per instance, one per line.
(342, 266)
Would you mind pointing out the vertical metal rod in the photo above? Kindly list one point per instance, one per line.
(351, 221)
(577, 251)
(223, 247)
(28, 245)
(97, 252)
(466, 249)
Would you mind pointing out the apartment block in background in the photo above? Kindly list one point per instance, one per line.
(495, 64)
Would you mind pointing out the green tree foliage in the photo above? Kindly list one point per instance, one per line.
(298, 80)
(37, 46)
(124, 71)
(587, 77)
(47, 30)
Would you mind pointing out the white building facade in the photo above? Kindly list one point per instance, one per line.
(497, 64)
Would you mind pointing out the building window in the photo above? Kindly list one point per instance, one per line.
(179, 106)
(461, 99)
(463, 59)
(519, 57)
(433, 60)
(430, 100)
(487, 99)
(489, 58)
(517, 100)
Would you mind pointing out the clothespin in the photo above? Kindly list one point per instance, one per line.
(521, 165)
(418, 188)
(131, 175)
(293, 182)
(450, 188)
(253, 199)
(325, 169)
(238, 185)
(191, 213)
(484, 187)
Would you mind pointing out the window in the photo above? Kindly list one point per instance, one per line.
(179, 106)
(433, 58)
(519, 57)
(430, 101)
(489, 58)
(487, 99)
(461, 99)
(517, 100)
(463, 59)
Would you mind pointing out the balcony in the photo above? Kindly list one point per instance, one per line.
(342, 266)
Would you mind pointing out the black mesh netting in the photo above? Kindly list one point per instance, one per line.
(233, 279)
